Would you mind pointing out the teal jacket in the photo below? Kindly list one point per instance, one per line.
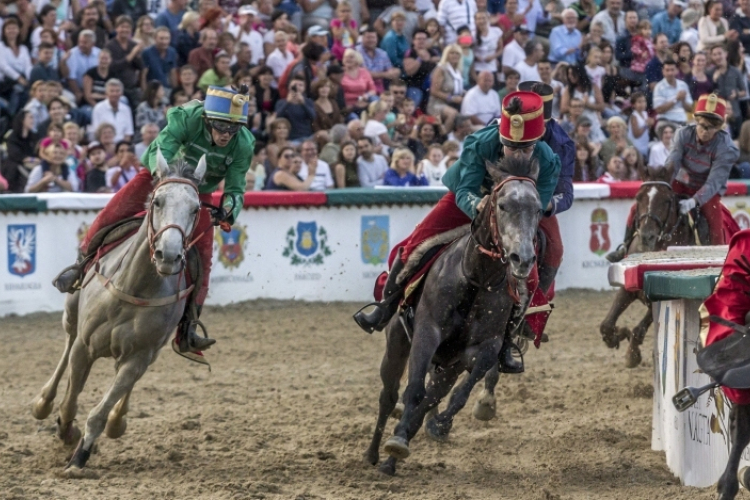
(186, 136)
(468, 177)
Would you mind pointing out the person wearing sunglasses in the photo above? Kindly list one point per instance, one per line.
(469, 187)
(702, 156)
(217, 128)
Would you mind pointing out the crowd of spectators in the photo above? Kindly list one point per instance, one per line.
(349, 93)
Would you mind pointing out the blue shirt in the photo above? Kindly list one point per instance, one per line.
(564, 147)
(377, 64)
(661, 23)
(79, 63)
(560, 41)
(393, 179)
(395, 46)
(653, 71)
(171, 21)
(158, 68)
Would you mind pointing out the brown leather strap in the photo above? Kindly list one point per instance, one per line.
(137, 301)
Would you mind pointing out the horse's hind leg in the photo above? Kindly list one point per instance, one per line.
(80, 366)
(44, 404)
(116, 421)
(739, 425)
(486, 408)
(633, 354)
(611, 334)
(127, 375)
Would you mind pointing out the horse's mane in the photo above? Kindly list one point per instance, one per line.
(514, 166)
(178, 169)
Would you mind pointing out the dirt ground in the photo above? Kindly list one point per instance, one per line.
(291, 403)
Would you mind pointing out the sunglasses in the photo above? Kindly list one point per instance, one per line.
(225, 127)
(707, 128)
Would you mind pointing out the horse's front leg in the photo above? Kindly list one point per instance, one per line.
(611, 334)
(739, 425)
(633, 354)
(80, 366)
(486, 408)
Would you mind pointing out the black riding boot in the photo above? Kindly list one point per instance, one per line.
(190, 341)
(68, 281)
(384, 310)
(622, 251)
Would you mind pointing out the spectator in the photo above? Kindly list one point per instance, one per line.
(432, 166)
(312, 166)
(96, 177)
(20, 145)
(586, 10)
(401, 173)
(683, 56)
(617, 142)
(528, 67)
(52, 175)
(218, 76)
(134, 9)
(580, 87)
(266, 96)
(37, 106)
(730, 85)
(242, 58)
(58, 109)
(343, 29)
(616, 171)
(371, 167)
(160, 61)
(356, 130)
(586, 166)
(244, 31)
(286, 177)
(126, 167)
(330, 152)
(376, 60)
(428, 133)
(419, 62)
(279, 24)
(43, 70)
(375, 128)
(47, 21)
(613, 20)
(452, 14)
(151, 110)
(149, 131)
(672, 99)
(514, 52)
(327, 113)
(447, 87)
(278, 138)
(740, 22)
(462, 131)
(406, 7)
(171, 17)
(489, 44)
(633, 162)
(126, 59)
(281, 57)
(357, 83)
(510, 20)
(189, 38)
(90, 20)
(594, 68)
(113, 111)
(299, 110)
(395, 43)
(202, 58)
(450, 154)
(713, 29)
(654, 68)
(95, 79)
(623, 45)
(639, 123)
(565, 40)
(690, 18)
(189, 83)
(743, 144)
(78, 61)
(345, 169)
(15, 66)
(481, 103)
(304, 66)
(512, 79)
(643, 51)
(668, 21)
(105, 135)
(698, 82)
(592, 39)
(144, 32)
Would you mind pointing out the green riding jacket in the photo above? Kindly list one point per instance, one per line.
(468, 178)
(187, 135)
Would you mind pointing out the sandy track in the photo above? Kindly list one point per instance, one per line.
(290, 405)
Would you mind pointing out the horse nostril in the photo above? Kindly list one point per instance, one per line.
(515, 258)
(159, 255)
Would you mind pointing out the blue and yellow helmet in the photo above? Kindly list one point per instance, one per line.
(225, 104)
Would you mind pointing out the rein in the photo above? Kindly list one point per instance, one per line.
(663, 236)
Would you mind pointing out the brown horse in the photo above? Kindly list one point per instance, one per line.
(658, 225)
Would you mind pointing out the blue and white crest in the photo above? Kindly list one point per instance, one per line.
(21, 249)
(307, 238)
(374, 239)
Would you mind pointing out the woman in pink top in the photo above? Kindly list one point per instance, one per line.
(357, 83)
(508, 21)
(344, 30)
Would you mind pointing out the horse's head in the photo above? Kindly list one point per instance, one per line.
(657, 209)
(514, 211)
(173, 212)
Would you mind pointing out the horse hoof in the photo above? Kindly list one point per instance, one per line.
(116, 427)
(42, 408)
(388, 469)
(370, 458)
(632, 357)
(74, 472)
(743, 476)
(69, 436)
(436, 431)
(398, 411)
(485, 410)
(397, 447)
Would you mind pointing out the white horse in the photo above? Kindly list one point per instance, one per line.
(127, 309)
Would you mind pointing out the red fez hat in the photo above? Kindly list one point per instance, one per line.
(711, 106)
(522, 122)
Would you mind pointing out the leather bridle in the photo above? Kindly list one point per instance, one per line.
(661, 224)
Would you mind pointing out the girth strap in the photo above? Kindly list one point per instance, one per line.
(137, 301)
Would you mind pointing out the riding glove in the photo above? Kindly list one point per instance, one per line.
(687, 205)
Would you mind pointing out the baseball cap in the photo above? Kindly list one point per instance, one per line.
(316, 31)
(680, 3)
(583, 120)
(247, 10)
(522, 27)
(94, 146)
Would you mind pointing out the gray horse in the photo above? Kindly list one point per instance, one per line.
(462, 313)
(128, 308)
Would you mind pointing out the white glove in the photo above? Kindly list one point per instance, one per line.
(687, 205)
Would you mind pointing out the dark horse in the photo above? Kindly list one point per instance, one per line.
(658, 225)
(462, 310)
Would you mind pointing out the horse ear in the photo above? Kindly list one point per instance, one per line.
(644, 172)
(495, 171)
(200, 170)
(534, 169)
(162, 167)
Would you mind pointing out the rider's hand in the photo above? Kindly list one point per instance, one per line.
(687, 205)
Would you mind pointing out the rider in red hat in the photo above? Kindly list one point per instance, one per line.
(702, 156)
(517, 134)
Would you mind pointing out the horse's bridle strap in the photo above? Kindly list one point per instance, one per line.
(499, 253)
(137, 301)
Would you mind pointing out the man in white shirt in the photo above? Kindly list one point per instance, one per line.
(527, 68)
(244, 32)
(672, 97)
(280, 58)
(114, 112)
(452, 14)
(481, 103)
(323, 178)
(371, 167)
(613, 20)
(79, 60)
(513, 53)
(149, 131)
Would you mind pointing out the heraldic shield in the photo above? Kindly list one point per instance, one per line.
(307, 238)
(375, 241)
(231, 246)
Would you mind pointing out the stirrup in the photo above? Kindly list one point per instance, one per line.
(190, 341)
(368, 323)
(514, 352)
(617, 254)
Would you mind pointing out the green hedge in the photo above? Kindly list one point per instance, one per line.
(393, 196)
(695, 284)
(22, 204)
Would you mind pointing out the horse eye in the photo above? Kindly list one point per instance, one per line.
(157, 203)
(501, 208)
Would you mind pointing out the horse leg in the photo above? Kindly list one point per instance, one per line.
(739, 426)
(127, 375)
(116, 421)
(486, 408)
(44, 404)
(611, 334)
(440, 426)
(633, 353)
(80, 366)
(391, 370)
